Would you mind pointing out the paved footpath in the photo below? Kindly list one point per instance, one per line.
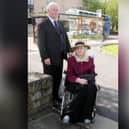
(51, 121)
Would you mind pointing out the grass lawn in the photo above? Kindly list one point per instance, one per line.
(111, 49)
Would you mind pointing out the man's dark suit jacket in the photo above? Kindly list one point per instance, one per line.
(50, 43)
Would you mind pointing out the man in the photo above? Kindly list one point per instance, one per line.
(53, 46)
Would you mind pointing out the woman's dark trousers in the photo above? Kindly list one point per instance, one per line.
(83, 103)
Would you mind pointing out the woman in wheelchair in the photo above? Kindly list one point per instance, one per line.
(80, 66)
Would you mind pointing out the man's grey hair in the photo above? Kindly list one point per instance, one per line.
(51, 4)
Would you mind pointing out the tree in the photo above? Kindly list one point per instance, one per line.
(112, 11)
(91, 5)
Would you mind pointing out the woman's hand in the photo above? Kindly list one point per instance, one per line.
(81, 81)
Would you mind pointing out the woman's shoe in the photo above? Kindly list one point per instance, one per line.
(87, 121)
(66, 119)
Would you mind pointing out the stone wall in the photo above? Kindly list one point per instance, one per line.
(39, 94)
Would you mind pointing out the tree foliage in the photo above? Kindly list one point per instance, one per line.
(91, 5)
(109, 7)
(112, 11)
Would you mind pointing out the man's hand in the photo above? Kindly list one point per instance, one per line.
(47, 61)
(82, 81)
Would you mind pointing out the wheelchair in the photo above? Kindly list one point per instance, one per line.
(67, 98)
